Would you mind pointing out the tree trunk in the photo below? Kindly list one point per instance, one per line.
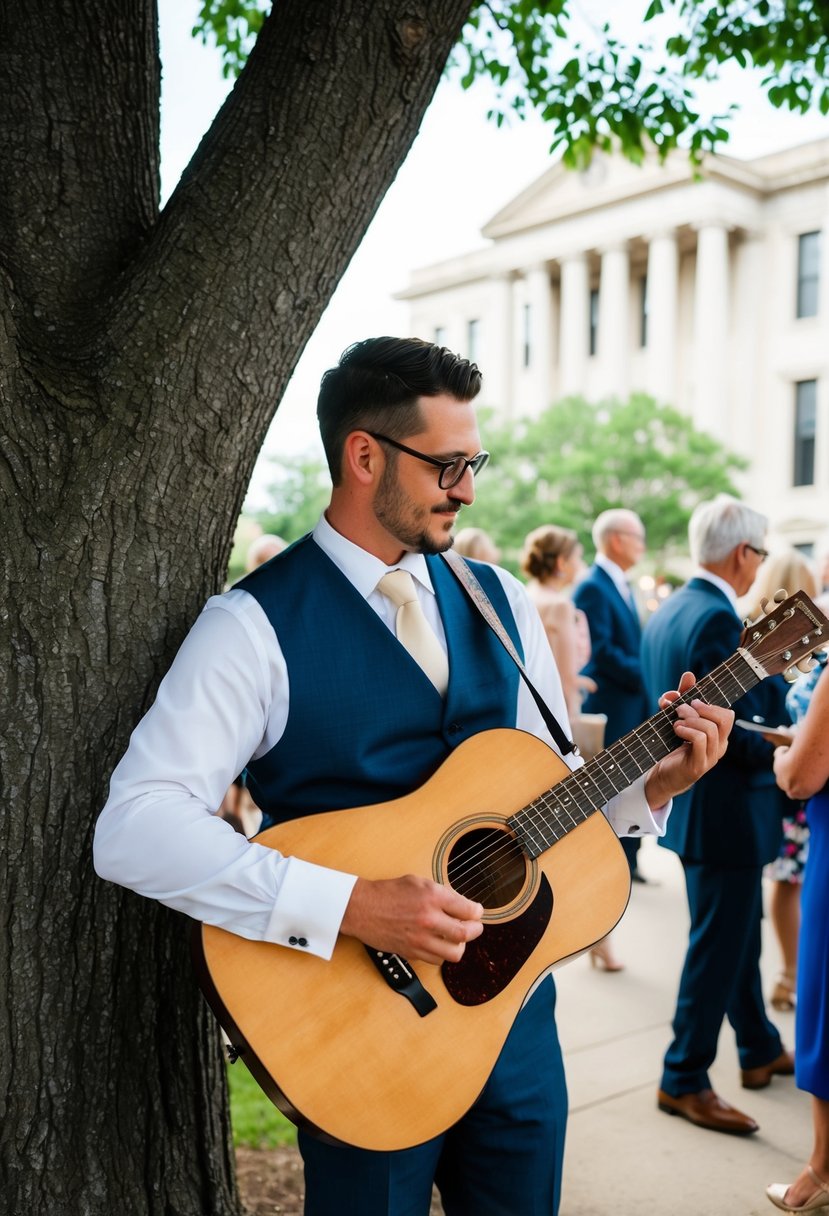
(141, 360)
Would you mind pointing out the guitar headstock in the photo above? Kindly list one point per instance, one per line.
(784, 638)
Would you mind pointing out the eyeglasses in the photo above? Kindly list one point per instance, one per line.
(451, 471)
(761, 553)
(640, 536)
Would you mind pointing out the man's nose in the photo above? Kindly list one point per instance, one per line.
(464, 490)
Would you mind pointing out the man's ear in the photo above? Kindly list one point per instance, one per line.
(362, 458)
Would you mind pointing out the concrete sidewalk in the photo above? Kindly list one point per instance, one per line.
(624, 1156)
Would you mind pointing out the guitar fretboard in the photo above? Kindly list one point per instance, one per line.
(557, 811)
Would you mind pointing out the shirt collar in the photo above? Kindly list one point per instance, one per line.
(725, 587)
(615, 572)
(362, 569)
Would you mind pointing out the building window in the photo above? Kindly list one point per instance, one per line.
(473, 340)
(527, 344)
(643, 311)
(805, 426)
(440, 335)
(808, 273)
(594, 320)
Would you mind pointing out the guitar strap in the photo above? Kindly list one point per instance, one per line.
(466, 577)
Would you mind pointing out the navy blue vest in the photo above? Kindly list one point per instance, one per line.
(365, 724)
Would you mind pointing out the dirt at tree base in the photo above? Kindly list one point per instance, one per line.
(271, 1182)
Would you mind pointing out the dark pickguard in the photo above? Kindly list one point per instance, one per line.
(494, 958)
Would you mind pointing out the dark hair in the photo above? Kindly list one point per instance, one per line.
(376, 386)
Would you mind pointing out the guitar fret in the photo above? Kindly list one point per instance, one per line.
(569, 803)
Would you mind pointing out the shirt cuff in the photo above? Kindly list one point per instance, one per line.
(310, 907)
(630, 815)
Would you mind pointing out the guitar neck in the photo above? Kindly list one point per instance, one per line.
(556, 812)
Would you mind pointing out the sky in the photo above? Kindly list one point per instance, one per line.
(461, 170)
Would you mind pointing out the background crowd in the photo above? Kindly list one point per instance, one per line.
(761, 814)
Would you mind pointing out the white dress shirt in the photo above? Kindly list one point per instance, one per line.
(225, 701)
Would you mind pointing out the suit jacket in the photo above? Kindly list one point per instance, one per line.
(615, 663)
(732, 815)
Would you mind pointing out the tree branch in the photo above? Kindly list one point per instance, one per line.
(276, 200)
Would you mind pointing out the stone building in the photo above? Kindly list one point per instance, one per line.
(709, 293)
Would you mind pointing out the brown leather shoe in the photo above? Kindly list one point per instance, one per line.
(759, 1078)
(707, 1109)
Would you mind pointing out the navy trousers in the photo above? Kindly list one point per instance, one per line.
(720, 978)
(504, 1157)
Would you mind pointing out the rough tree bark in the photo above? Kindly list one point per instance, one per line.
(142, 356)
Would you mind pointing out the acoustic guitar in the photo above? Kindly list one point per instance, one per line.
(376, 1052)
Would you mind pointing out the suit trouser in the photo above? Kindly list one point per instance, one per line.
(503, 1158)
(631, 845)
(720, 977)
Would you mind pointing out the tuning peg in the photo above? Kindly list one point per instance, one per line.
(790, 675)
(807, 664)
(780, 595)
(764, 603)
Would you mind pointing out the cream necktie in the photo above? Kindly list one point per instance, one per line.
(413, 630)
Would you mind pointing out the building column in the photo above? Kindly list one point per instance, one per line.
(497, 349)
(711, 326)
(662, 289)
(574, 342)
(539, 297)
(614, 322)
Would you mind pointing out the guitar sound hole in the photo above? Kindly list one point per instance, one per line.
(488, 866)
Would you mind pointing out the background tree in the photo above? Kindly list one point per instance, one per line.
(299, 491)
(300, 488)
(578, 458)
(142, 356)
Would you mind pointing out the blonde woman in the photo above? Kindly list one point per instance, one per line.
(790, 571)
(477, 544)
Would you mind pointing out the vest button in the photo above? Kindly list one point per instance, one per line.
(293, 941)
(454, 728)
(302, 941)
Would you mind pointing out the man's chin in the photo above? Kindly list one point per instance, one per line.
(432, 545)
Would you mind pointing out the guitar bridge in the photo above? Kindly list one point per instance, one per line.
(401, 978)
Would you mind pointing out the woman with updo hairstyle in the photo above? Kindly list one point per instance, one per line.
(552, 559)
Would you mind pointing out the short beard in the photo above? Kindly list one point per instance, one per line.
(392, 506)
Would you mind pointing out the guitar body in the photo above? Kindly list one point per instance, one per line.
(332, 1043)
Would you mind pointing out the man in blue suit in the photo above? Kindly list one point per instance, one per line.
(606, 599)
(301, 675)
(724, 829)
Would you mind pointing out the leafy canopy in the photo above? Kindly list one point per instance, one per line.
(297, 496)
(577, 459)
(593, 88)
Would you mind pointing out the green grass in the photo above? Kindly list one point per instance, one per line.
(256, 1121)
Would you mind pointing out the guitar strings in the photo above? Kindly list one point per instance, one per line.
(500, 845)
